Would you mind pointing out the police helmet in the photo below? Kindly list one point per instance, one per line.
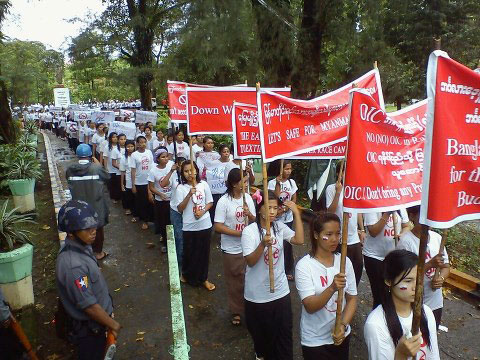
(76, 215)
(84, 150)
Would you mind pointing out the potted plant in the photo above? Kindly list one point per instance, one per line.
(21, 171)
(16, 254)
(26, 145)
(31, 129)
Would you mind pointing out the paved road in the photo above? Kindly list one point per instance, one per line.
(138, 279)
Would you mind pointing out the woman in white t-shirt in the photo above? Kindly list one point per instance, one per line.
(162, 194)
(194, 199)
(231, 216)
(215, 177)
(432, 286)
(387, 330)
(182, 148)
(159, 141)
(206, 157)
(97, 139)
(112, 157)
(378, 243)
(140, 163)
(268, 316)
(150, 139)
(318, 279)
(356, 232)
(286, 189)
(128, 199)
(122, 139)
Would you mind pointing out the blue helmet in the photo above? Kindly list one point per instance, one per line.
(84, 150)
(76, 215)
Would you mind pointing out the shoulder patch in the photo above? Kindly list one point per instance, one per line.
(82, 282)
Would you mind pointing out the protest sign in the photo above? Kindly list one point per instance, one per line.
(177, 100)
(142, 117)
(291, 127)
(452, 149)
(127, 128)
(209, 110)
(384, 156)
(82, 115)
(62, 97)
(103, 117)
(246, 135)
(72, 127)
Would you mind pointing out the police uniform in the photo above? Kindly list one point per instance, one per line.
(80, 285)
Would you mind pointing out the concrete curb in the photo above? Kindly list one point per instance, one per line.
(59, 195)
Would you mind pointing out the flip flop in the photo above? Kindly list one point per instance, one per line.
(236, 320)
(208, 285)
(144, 226)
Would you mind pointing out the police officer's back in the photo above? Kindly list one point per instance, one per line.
(82, 288)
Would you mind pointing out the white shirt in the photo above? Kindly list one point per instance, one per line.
(150, 143)
(81, 133)
(215, 177)
(142, 162)
(174, 185)
(202, 197)
(377, 247)
(157, 143)
(352, 222)
(380, 343)
(183, 150)
(111, 155)
(96, 139)
(196, 149)
(156, 176)
(128, 173)
(313, 278)
(229, 211)
(205, 160)
(288, 188)
(257, 283)
(408, 241)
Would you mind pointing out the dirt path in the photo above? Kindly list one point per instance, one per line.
(138, 282)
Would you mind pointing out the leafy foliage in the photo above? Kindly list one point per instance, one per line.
(10, 232)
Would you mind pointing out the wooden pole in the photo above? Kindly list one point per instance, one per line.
(437, 43)
(375, 66)
(17, 329)
(440, 251)
(194, 172)
(243, 190)
(343, 259)
(395, 231)
(267, 218)
(417, 306)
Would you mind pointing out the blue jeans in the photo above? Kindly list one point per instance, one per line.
(177, 221)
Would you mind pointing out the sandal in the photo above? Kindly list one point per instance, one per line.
(134, 220)
(144, 226)
(208, 285)
(236, 320)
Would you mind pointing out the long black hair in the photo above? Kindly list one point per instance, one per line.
(112, 134)
(129, 142)
(316, 227)
(197, 175)
(258, 206)
(399, 263)
(232, 179)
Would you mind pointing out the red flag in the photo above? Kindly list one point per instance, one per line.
(291, 127)
(209, 110)
(177, 100)
(452, 149)
(384, 156)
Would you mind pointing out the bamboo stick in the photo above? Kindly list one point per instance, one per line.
(343, 259)
(417, 306)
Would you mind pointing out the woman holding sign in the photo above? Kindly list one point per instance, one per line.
(388, 327)
(269, 315)
(233, 213)
(194, 200)
(318, 279)
(432, 288)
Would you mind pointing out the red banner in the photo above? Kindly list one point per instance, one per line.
(209, 110)
(177, 100)
(452, 147)
(291, 127)
(384, 156)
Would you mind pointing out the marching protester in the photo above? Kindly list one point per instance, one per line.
(197, 144)
(432, 288)
(194, 199)
(286, 189)
(81, 286)
(215, 176)
(87, 180)
(172, 179)
(356, 232)
(159, 141)
(268, 315)
(122, 139)
(140, 163)
(128, 198)
(183, 150)
(232, 214)
(387, 331)
(378, 243)
(150, 139)
(162, 194)
(206, 157)
(112, 157)
(97, 140)
(318, 279)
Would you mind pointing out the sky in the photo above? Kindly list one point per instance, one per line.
(46, 20)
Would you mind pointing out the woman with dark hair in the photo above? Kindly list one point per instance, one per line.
(269, 315)
(215, 176)
(286, 189)
(97, 140)
(183, 150)
(231, 216)
(148, 135)
(111, 156)
(194, 199)
(432, 289)
(140, 162)
(388, 327)
(207, 157)
(128, 198)
(318, 279)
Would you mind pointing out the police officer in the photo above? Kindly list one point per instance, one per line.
(82, 288)
(87, 180)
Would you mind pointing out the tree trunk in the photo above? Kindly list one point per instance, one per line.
(398, 101)
(7, 127)
(145, 79)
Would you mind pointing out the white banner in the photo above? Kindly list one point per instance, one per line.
(142, 117)
(62, 97)
(103, 116)
(126, 128)
(82, 115)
